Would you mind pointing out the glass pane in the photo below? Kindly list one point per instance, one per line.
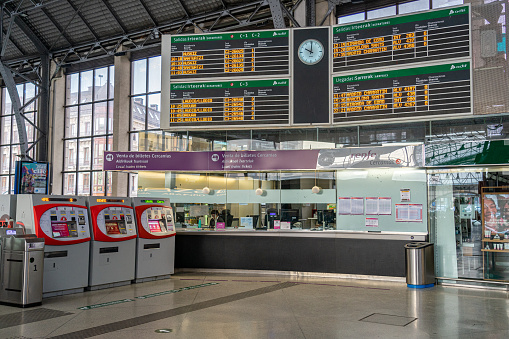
(15, 134)
(84, 183)
(71, 95)
(71, 122)
(29, 128)
(15, 150)
(11, 190)
(85, 120)
(101, 84)
(4, 184)
(5, 159)
(99, 147)
(111, 82)
(138, 113)
(98, 183)
(382, 12)
(70, 151)
(110, 117)
(100, 116)
(139, 76)
(29, 94)
(21, 94)
(7, 105)
(6, 130)
(446, 3)
(154, 75)
(134, 142)
(84, 154)
(154, 111)
(351, 18)
(69, 183)
(86, 86)
(110, 144)
(413, 6)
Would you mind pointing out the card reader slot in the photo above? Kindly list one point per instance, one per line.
(108, 249)
(15, 260)
(55, 254)
(151, 246)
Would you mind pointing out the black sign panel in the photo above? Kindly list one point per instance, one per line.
(407, 93)
(230, 54)
(311, 81)
(413, 38)
(257, 102)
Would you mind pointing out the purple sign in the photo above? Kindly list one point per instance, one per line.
(355, 157)
(210, 161)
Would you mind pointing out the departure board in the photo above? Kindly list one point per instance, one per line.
(429, 36)
(230, 54)
(256, 102)
(406, 93)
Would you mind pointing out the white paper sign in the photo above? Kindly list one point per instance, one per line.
(285, 225)
(371, 222)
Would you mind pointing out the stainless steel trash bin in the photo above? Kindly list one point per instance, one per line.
(420, 265)
(21, 268)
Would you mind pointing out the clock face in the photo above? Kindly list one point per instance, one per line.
(311, 51)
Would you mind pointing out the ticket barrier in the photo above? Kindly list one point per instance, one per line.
(62, 221)
(155, 248)
(113, 246)
(21, 268)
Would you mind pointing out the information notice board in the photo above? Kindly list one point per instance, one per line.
(230, 103)
(404, 93)
(429, 36)
(230, 54)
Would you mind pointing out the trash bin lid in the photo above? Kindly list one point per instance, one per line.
(415, 245)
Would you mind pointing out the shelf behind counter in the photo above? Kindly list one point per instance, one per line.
(340, 252)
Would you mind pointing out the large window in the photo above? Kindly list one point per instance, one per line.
(88, 131)
(145, 102)
(9, 136)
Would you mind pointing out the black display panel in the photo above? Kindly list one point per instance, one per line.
(230, 103)
(311, 81)
(404, 39)
(407, 93)
(230, 54)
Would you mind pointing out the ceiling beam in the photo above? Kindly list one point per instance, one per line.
(115, 15)
(77, 10)
(58, 26)
(145, 7)
(14, 43)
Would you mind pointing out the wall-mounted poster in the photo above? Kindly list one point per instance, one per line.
(495, 216)
(31, 177)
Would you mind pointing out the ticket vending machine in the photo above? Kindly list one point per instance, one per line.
(155, 248)
(62, 221)
(113, 246)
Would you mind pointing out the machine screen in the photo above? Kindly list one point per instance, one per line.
(115, 227)
(64, 229)
(11, 232)
(156, 226)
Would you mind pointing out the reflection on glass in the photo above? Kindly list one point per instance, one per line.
(100, 116)
(446, 3)
(351, 18)
(84, 183)
(85, 120)
(98, 183)
(138, 113)
(154, 76)
(101, 84)
(6, 156)
(139, 76)
(413, 6)
(69, 183)
(6, 130)
(29, 94)
(71, 122)
(154, 111)
(84, 154)
(86, 86)
(381, 12)
(111, 82)
(71, 93)
(99, 147)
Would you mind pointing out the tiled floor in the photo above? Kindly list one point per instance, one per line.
(261, 306)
